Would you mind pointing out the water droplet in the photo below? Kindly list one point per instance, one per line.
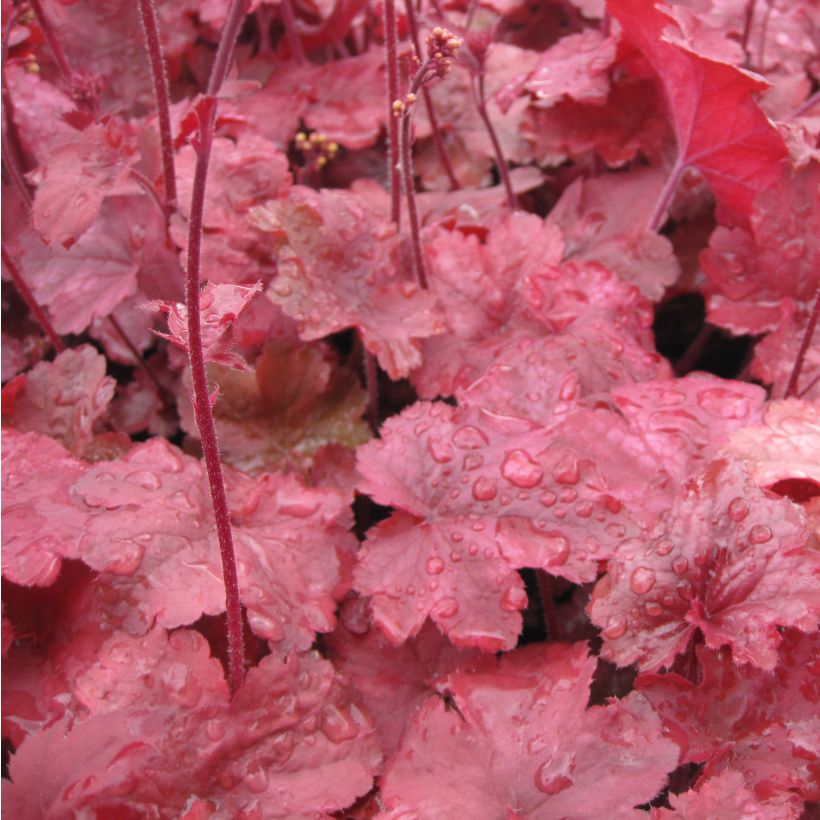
(472, 461)
(685, 591)
(434, 565)
(129, 558)
(548, 499)
(680, 565)
(484, 489)
(653, 609)
(146, 479)
(664, 546)
(337, 725)
(257, 780)
(551, 780)
(445, 608)
(642, 580)
(759, 534)
(513, 599)
(441, 451)
(281, 287)
(615, 628)
(584, 509)
(738, 509)
(567, 496)
(473, 549)
(557, 548)
(567, 471)
(455, 556)
(215, 729)
(469, 438)
(794, 249)
(519, 469)
(724, 404)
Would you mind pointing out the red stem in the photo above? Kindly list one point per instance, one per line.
(428, 102)
(11, 158)
(479, 97)
(391, 49)
(545, 592)
(405, 141)
(791, 387)
(289, 22)
(28, 297)
(371, 377)
(659, 213)
(159, 75)
(202, 404)
(53, 43)
(138, 360)
(805, 106)
(747, 26)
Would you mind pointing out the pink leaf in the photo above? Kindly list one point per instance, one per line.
(728, 559)
(760, 723)
(480, 495)
(63, 399)
(519, 741)
(338, 268)
(41, 524)
(220, 305)
(77, 176)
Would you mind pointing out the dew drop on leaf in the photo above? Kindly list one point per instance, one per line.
(738, 509)
(484, 489)
(519, 469)
(759, 534)
(642, 580)
(445, 608)
(434, 565)
(615, 628)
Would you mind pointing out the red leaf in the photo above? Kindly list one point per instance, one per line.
(163, 731)
(728, 559)
(480, 495)
(763, 724)
(727, 796)
(338, 268)
(392, 681)
(77, 176)
(41, 524)
(519, 741)
(219, 306)
(719, 127)
(62, 399)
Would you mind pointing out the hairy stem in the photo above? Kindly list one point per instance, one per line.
(479, 96)
(406, 143)
(391, 49)
(28, 297)
(438, 141)
(159, 75)
(791, 387)
(202, 405)
(545, 592)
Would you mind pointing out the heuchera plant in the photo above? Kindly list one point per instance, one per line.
(411, 410)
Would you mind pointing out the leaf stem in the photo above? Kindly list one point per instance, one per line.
(202, 405)
(479, 97)
(289, 23)
(28, 297)
(658, 216)
(405, 141)
(791, 387)
(53, 43)
(391, 50)
(428, 103)
(159, 75)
